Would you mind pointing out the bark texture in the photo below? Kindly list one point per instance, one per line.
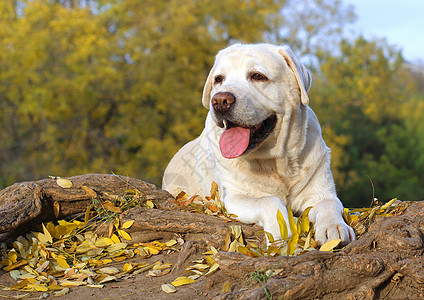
(25, 204)
(385, 263)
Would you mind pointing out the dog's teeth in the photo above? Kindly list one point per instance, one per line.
(225, 123)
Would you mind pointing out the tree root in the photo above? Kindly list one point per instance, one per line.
(386, 262)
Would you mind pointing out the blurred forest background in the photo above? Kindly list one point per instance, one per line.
(109, 85)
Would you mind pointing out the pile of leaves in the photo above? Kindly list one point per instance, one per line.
(210, 205)
(70, 253)
(302, 238)
(302, 231)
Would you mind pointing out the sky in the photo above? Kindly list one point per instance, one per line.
(401, 22)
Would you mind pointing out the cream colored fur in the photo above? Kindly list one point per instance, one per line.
(291, 167)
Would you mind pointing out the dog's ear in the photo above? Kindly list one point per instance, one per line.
(207, 89)
(303, 77)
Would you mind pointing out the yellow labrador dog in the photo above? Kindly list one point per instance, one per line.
(262, 144)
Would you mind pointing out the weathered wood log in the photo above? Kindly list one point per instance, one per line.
(152, 224)
(385, 263)
(26, 203)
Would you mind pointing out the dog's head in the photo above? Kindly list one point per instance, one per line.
(247, 89)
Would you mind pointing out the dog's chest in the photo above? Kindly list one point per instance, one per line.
(261, 178)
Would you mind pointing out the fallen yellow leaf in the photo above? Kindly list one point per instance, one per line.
(116, 247)
(62, 292)
(13, 256)
(109, 270)
(47, 234)
(124, 234)
(115, 238)
(61, 261)
(37, 287)
(127, 267)
(283, 225)
(111, 207)
(330, 245)
(226, 287)
(103, 242)
(64, 183)
(127, 224)
(56, 209)
(387, 205)
(291, 245)
(65, 282)
(89, 191)
(171, 243)
(182, 281)
(168, 288)
(212, 269)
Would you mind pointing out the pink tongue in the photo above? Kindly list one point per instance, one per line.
(234, 141)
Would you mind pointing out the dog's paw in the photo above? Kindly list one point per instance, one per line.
(325, 232)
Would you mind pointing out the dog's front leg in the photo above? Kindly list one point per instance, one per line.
(261, 211)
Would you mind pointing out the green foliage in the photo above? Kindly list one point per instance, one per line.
(368, 91)
(262, 277)
(399, 169)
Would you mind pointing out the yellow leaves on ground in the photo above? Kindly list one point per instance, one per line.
(168, 288)
(47, 236)
(299, 231)
(232, 245)
(330, 245)
(360, 219)
(64, 183)
(212, 205)
(124, 234)
(226, 287)
(61, 261)
(103, 242)
(111, 207)
(68, 254)
(89, 191)
(282, 224)
(302, 233)
(127, 224)
(200, 267)
(182, 281)
(120, 232)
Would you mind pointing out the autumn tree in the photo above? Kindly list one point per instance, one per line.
(60, 86)
(170, 48)
(106, 85)
(96, 86)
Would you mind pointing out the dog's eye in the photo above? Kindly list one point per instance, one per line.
(219, 79)
(258, 77)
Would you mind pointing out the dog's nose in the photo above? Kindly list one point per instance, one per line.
(222, 101)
